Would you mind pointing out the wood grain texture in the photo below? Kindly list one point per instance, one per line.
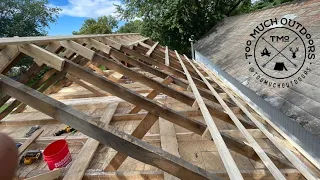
(79, 166)
(224, 153)
(257, 148)
(109, 136)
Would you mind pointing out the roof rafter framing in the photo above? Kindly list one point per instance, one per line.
(144, 76)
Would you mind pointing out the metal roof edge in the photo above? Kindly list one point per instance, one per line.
(305, 139)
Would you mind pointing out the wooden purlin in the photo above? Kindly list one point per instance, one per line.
(228, 161)
(263, 156)
(175, 70)
(91, 55)
(109, 135)
(289, 155)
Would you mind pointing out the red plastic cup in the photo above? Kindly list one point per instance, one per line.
(57, 154)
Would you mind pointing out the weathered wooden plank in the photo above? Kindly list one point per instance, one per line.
(169, 142)
(83, 84)
(42, 55)
(142, 78)
(100, 46)
(225, 155)
(289, 155)
(54, 174)
(47, 39)
(7, 55)
(152, 49)
(151, 95)
(166, 58)
(79, 166)
(30, 140)
(134, 98)
(109, 136)
(263, 156)
(136, 42)
(138, 132)
(291, 174)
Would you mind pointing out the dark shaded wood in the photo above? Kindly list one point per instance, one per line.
(159, 86)
(247, 151)
(109, 136)
(169, 69)
(43, 87)
(134, 98)
(142, 129)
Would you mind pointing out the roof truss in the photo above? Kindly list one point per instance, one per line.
(166, 72)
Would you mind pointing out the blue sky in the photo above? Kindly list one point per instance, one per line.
(74, 12)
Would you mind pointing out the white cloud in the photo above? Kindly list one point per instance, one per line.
(89, 8)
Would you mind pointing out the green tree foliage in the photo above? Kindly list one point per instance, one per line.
(25, 17)
(131, 27)
(173, 22)
(103, 25)
(267, 4)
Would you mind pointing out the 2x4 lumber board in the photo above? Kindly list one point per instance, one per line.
(224, 153)
(41, 82)
(152, 49)
(166, 58)
(79, 166)
(144, 45)
(120, 40)
(136, 42)
(169, 142)
(132, 52)
(50, 83)
(17, 103)
(54, 174)
(263, 156)
(47, 39)
(291, 174)
(158, 55)
(162, 66)
(28, 142)
(109, 136)
(98, 45)
(289, 155)
(110, 42)
(244, 149)
(35, 119)
(158, 86)
(142, 129)
(83, 84)
(95, 68)
(134, 98)
(7, 55)
(91, 55)
(151, 95)
(43, 55)
(156, 72)
(314, 162)
(32, 71)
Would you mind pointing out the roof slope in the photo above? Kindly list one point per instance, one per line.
(225, 46)
(147, 92)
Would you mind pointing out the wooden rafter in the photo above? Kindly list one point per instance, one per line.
(165, 74)
(109, 136)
